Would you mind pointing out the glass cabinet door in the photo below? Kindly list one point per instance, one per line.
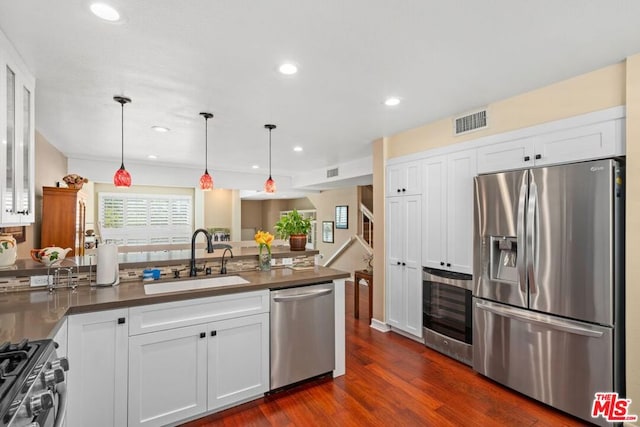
(17, 144)
(8, 200)
(24, 200)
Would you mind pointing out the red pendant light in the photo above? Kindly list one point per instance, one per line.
(270, 184)
(206, 182)
(122, 178)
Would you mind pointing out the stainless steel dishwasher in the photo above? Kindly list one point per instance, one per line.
(302, 333)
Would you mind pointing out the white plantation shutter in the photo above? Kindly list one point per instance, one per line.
(145, 219)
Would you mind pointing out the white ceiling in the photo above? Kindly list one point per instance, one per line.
(175, 58)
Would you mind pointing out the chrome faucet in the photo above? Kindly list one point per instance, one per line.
(192, 266)
(223, 264)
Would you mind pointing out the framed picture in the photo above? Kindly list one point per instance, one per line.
(18, 233)
(327, 231)
(342, 217)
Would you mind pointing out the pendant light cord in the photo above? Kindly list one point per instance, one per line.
(122, 134)
(206, 144)
(269, 152)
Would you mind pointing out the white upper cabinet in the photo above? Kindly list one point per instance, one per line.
(434, 242)
(586, 142)
(516, 154)
(17, 133)
(404, 179)
(448, 211)
(590, 141)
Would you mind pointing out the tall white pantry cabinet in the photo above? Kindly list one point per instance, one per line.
(403, 238)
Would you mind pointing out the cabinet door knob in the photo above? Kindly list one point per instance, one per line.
(527, 158)
(203, 334)
(441, 262)
(398, 190)
(404, 189)
(448, 264)
(121, 320)
(214, 333)
(398, 263)
(404, 263)
(538, 156)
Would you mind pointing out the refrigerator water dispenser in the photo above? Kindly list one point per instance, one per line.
(503, 262)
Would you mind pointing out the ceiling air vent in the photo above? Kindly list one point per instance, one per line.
(470, 122)
(332, 172)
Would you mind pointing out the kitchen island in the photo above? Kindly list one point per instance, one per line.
(211, 345)
(37, 314)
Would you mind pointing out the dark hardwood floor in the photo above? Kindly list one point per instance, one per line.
(392, 381)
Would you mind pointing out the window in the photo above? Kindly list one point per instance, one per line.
(145, 219)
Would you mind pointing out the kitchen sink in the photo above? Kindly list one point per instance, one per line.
(193, 284)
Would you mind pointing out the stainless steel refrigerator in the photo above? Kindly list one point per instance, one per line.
(548, 277)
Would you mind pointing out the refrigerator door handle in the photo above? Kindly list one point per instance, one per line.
(521, 257)
(536, 320)
(531, 230)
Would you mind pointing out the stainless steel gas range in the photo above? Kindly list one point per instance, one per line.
(32, 384)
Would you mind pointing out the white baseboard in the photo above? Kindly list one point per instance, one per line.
(380, 326)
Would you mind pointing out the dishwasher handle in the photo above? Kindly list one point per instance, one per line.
(299, 297)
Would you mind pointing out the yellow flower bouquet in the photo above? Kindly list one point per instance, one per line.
(264, 240)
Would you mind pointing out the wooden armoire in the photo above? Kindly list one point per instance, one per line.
(63, 219)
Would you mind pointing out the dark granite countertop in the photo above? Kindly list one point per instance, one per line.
(160, 258)
(37, 314)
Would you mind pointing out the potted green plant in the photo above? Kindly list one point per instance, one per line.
(295, 227)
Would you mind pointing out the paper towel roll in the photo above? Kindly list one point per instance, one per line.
(107, 270)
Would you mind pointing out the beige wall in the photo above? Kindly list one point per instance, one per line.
(325, 203)
(251, 214)
(366, 196)
(218, 208)
(618, 84)
(633, 232)
(593, 91)
(271, 210)
(379, 154)
(51, 166)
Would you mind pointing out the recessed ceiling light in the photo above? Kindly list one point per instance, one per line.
(152, 156)
(298, 149)
(104, 11)
(392, 101)
(255, 167)
(288, 68)
(161, 129)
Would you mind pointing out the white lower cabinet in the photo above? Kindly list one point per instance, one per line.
(238, 360)
(60, 338)
(180, 373)
(97, 377)
(191, 357)
(167, 376)
(160, 364)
